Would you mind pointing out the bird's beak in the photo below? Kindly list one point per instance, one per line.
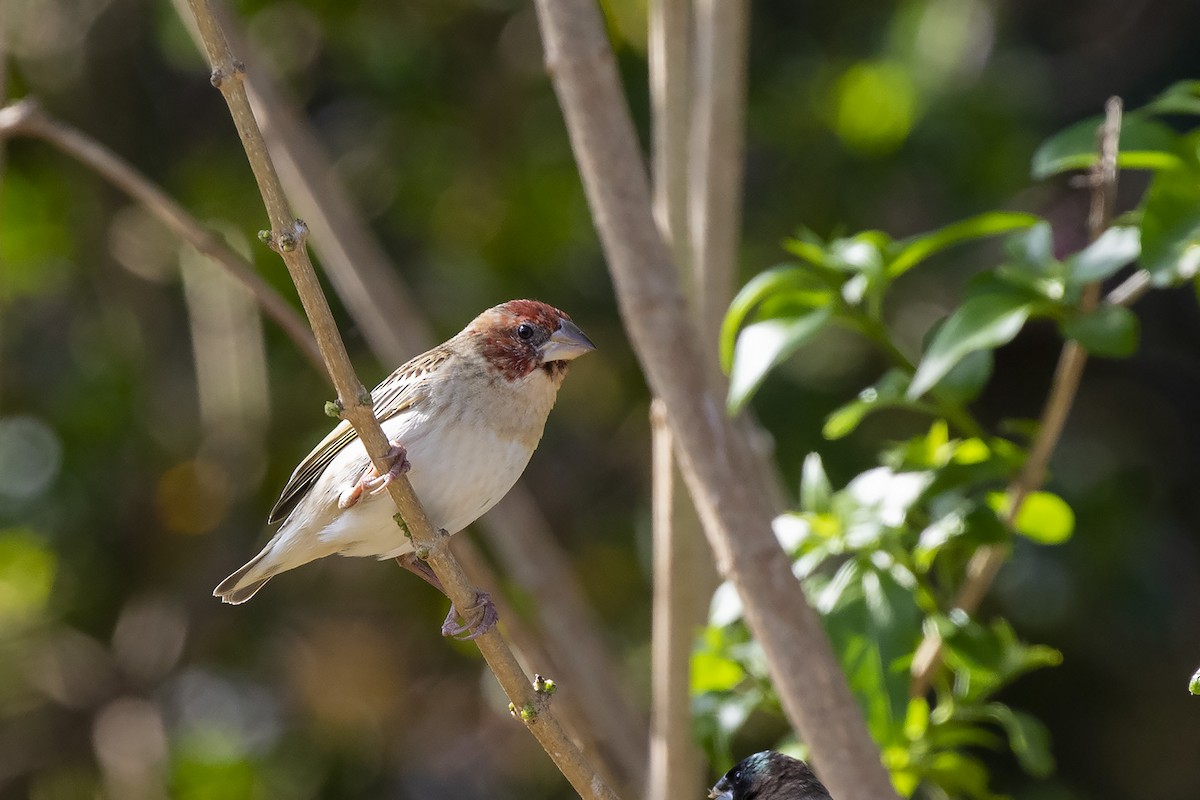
(725, 795)
(566, 343)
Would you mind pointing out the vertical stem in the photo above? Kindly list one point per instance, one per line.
(674, 768)
(683, 583)
(671, 87)
(697, 176)
(718, 136)
(3, 161)
(986, 562)
(715, 455)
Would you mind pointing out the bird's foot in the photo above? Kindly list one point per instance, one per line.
(398, 456)
(477, 620)
(372, 482)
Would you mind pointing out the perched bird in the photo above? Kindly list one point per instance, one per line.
(463, 420)
(769, 775)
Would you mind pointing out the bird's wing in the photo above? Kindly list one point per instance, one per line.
(403, 389)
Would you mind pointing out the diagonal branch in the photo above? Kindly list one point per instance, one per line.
(986, 562)
(519, 535)
(27, 118)
(714, 453)
(288, 237)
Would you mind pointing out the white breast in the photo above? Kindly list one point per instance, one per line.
(465, 452)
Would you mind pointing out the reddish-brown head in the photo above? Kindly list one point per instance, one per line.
(522, 335)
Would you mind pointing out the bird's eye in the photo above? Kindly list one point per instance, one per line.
(525, 331)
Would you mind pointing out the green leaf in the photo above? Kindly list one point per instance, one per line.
(966, 379)
(1109, 331)
(1115, 248)
(765, 345)
(725, 607)
(887, 392)
(873, 623)
(1044, 517)
(894, 625)
(783, 279)
(1033, 248)
(958, 734)
(1144, 144)
(912, 251)
(1028, 738)
(876, 501)
(1194, 683)
(862, 252)
(844, 586)
(1171, 226)
(1179, 98)
(815, 489)
(964, 520)
(985, 659)
(983, 322)
(811, 250)
(957, 774)
(714, 673)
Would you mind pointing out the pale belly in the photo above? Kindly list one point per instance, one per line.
(456, 483)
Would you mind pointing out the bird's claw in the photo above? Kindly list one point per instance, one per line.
(478, 619)
(372, 482)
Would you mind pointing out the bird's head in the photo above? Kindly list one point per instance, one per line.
(521, 336)
(769, 775)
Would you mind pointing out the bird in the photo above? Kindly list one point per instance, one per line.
(463, 420)
(769, 775)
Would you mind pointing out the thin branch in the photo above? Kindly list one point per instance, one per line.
(521, 540)
(531, 651)
(878, 335)
(683, 583)
(718, 134)
(362, 275)
(3, 157)
(670, 75)
(680, 592)
(1130, 290)
(715, 455)
(395, 327)
(678, 597)
(26, 118)
(3, 92)
(698, 214)
(288, 237)
(986, 562)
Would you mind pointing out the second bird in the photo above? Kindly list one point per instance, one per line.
(463, 418)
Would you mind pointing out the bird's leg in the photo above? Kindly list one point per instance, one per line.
(374, 483)
(419, 568)
(478, 619)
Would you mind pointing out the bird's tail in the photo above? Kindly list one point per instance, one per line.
(241, 585)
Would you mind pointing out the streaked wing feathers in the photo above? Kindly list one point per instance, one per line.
(402, 389)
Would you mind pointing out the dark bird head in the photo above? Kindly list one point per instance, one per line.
(769, 776)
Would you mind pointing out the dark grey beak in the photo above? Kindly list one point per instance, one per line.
(566, 343)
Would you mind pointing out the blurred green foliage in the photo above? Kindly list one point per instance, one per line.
(128, 492)
(884, 559)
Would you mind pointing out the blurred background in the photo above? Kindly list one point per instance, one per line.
(148, 417)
